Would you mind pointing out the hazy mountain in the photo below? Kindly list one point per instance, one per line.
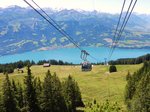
(22, 29)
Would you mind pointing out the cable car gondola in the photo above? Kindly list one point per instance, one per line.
(86, 66)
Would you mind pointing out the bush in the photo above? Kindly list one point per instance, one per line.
(8, 70)
(104, 107)
(112, 68)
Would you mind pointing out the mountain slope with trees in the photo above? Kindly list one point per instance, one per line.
(137, 94)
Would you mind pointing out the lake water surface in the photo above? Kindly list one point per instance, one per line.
(73, 54)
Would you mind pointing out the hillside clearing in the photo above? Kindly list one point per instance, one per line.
(97, 84)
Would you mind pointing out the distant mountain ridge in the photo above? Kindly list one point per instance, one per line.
(22, 29)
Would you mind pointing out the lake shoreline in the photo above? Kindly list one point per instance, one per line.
(73, 54)
(61, 47)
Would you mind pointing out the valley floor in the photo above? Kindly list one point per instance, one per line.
(97, 84)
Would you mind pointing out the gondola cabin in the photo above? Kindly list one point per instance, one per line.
(86, 66)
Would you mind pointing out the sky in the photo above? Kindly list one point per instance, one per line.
(109, 6)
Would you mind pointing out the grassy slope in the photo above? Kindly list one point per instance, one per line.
(97, 84)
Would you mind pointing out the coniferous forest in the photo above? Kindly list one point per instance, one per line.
(137, 91)
(51, 95)
(126, 61)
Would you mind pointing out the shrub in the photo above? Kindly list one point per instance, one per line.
(105, 107)
(112, 68)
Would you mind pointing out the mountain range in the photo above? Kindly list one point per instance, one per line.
(22, 30)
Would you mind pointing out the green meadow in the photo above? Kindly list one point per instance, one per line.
(97, 84)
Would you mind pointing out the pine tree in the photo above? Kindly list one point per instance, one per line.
(69, 94)
(15, 90)
(58, 99)
(30, 93)
(39, 86)
(53, 100)
(14, 87)
(18, 94)
(20, 98)
(130, 89)
(141, 100)
(79, 102)
(9, 101)
(128, 76)
(72, 94)
(47, 93)
(1, 104)
(39, 90)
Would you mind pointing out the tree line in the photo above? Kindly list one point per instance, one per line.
(124, 61)
(137, 91)
(51, 95)
(10, 67)
(53, 62)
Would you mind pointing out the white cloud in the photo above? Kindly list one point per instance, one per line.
(113, 6)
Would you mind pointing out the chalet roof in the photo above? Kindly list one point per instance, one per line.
(46, 64)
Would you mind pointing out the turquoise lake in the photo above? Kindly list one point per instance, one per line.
(73, 54)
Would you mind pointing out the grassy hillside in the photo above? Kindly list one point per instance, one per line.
(97, 84)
